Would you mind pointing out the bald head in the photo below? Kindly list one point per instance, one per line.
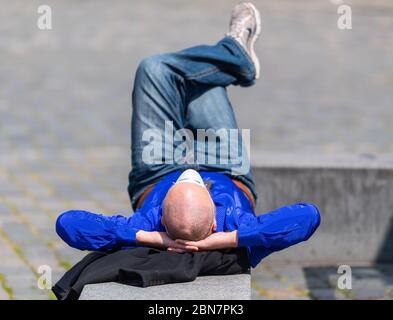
(188, 212)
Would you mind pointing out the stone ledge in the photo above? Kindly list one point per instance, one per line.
(312, 161)
(355, 199)
(233, 287)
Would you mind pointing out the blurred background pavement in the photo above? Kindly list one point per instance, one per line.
(65, 115)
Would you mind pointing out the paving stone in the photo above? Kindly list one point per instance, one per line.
(48, 232)
(19, 277)
(386, 269)
(387, 280)
(3, 294)
(325, 294)
(8, 218)
(19, 233)
(255, 294)
(273, 283)
(4, 209)
(359, 273)
(364, 282)
(29, 246)
(369, 293)
(68, 255)
(23, 293)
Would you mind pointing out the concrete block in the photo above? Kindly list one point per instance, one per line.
(233, 287)
(355, 198)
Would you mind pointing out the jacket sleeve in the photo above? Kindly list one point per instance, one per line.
(85, 230)
(279, 229)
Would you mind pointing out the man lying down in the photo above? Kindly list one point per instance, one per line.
(192, 207)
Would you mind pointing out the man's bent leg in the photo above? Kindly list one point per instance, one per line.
(164, 85)
(223, 148)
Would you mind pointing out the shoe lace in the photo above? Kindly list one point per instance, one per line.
(238, 26)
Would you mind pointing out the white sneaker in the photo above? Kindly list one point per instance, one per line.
(245, 27)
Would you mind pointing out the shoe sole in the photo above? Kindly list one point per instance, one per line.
(254, 38)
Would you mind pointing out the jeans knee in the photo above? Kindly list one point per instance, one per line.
(151, 66)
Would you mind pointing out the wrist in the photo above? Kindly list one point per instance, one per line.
(233, 239)
(142, 237)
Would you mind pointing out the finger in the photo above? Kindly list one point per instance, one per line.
(191, 248)
(180, 241)
(177, 245)
(182, 247)
(185, 247)
(186, 242)
(176, 250)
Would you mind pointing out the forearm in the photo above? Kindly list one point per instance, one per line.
(153, 239)
(216, 241)
(85, 230)
(232, 239)
(280, 228)
(146, 238)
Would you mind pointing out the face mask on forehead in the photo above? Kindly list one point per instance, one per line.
(190, 175)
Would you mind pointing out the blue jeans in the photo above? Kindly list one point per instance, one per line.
(186, 90)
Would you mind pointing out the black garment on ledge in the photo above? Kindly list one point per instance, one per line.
(144, 267)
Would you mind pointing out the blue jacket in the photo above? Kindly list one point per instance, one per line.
(261, 235)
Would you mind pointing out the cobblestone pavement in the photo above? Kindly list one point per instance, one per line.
(293, 281)
(64, 115)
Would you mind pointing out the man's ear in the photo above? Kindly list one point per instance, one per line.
(214, 226)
